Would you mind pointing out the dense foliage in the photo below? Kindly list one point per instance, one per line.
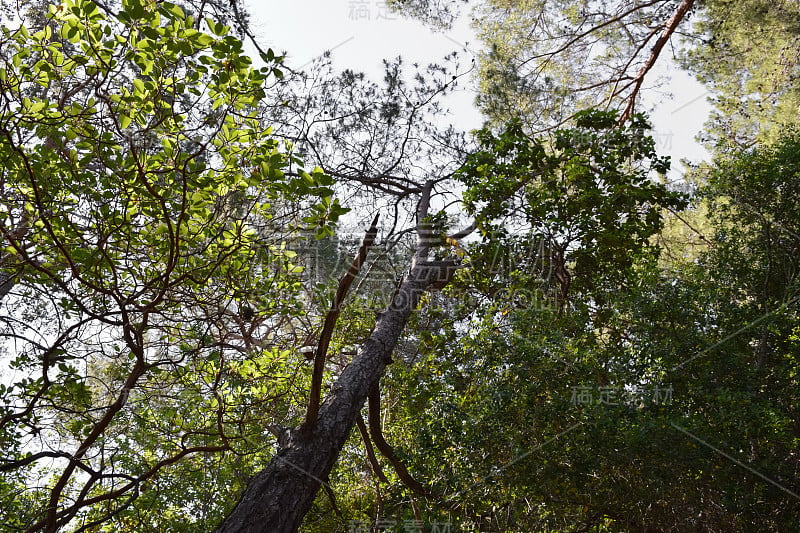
(599, 352)
(140, 192)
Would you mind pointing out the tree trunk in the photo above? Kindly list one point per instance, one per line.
(277, 498)
(7, 260)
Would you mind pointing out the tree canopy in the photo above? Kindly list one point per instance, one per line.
(239, 296)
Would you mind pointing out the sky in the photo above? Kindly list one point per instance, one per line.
(360, 34)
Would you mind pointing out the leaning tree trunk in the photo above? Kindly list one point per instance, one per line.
(277, 498)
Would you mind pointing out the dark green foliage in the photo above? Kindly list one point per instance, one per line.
(587, 194)
(669, 406)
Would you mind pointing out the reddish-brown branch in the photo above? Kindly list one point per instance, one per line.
(330, 322)
(50, 522)
(373, 461)
(374, 419)
(65, 514)
(669, 28)
(282, 493)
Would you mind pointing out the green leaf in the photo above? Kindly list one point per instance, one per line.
(36, 107)
(217, 29)
(134, 8)
(203, 39)
(174, 10)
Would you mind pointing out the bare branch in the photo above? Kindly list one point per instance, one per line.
(669, 28)
(384, 447)
(373, 461)
(330, 323)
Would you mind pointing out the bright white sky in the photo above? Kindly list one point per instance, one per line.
(361, 34)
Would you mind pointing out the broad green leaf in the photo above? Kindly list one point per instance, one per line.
(217, 28)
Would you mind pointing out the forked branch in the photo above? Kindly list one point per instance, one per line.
(669, 28)
(330, 322)
(374, 420)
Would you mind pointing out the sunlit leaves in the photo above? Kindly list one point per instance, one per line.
(140, 185)
(748, 59)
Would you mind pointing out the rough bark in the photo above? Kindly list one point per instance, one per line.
(6, 279)
(277, 498)
(8, 260)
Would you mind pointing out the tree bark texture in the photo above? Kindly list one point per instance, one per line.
(277, 498)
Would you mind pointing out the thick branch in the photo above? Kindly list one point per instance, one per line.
(330, 323)
(425, 236)
(50, 522)
(384, 447)
(669, 28)
(373, 461)
(277, 498)
(464, 232)
(13, 236)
